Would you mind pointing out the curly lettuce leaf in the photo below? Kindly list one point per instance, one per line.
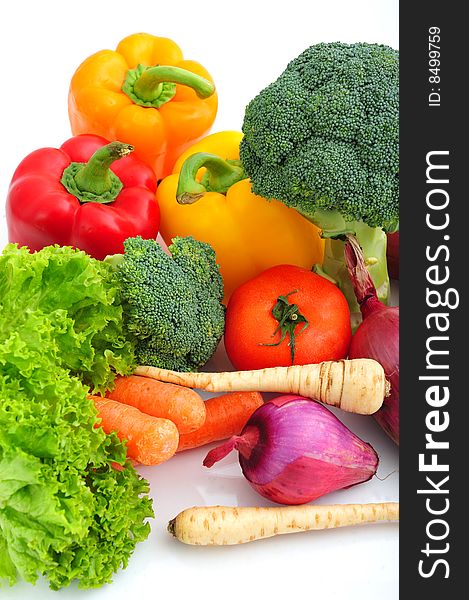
(80, 296)
(66, 512)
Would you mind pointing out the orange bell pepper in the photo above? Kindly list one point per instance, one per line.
(248, 233)
(145, 94)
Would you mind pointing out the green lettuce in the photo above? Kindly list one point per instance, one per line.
(72, 507)
(80, 296)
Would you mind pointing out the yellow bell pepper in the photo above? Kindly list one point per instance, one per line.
(146, 94)
(209, 198)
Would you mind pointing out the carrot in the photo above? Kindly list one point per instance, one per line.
(226, 525)
(150, 440)
(226, 416)
(357, 385)
(184, 407)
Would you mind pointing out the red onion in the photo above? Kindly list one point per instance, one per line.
(392, 253)
(293, 450)
(377, 336)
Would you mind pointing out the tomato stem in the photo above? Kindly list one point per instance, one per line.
(288, 317)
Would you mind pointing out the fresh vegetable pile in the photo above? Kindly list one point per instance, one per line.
(103, 328)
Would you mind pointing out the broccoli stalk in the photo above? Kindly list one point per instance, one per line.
(324, 139)
(373, 243)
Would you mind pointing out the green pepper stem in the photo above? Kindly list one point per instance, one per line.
(94, 181)
(95, 176)
(149, 85)
(220, 176)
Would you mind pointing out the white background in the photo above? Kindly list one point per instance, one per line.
(244, 44)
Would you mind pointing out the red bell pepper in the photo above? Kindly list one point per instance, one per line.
(78, 196)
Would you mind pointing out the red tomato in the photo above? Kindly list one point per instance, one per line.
(250, 324)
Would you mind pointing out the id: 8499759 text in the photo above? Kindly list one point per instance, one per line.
(434, 97)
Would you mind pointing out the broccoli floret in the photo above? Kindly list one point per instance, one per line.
(172, 304)
(324, 139)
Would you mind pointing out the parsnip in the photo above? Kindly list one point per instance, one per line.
(357, 386)
(226, 525)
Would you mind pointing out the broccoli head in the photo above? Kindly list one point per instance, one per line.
(172, 303)
(324, 139)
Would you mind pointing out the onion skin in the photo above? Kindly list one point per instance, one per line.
(392, 253)
(377, 337)
(293, 450)
(367, 343)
